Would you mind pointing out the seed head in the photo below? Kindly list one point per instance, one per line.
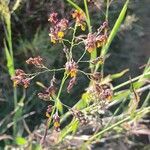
(101, 40)
(80, 18)
(96, 76)
(48, 92)
(80, 116)
(63, 24)
(56, 120)
(53, 18)
(49, 110)
(36, 61)
(90, 42)
(71, 84)
(71, 68)
(20, 78)
(58, 27)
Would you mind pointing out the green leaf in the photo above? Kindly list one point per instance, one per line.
(21, 141)
(115, 29)
(120, 74)
(71, 127)
(75, 127)
(121, 95)
(10, 63)
(138, 84)
(83, 102)
(74, 4)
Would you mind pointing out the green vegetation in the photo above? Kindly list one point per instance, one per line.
(56, 88)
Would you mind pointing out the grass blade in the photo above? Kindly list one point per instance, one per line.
(115, 28)
(10, 63)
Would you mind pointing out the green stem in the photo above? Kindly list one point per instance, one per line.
(9, 56)
(62, 83)
(117, 110)
(47, 70)
(113, 31)
(107, 10)
(109, 128)
(106, 19)
(128, 82)
(94, 53)
(72, 41)
(147, 100)
(82, 56)
(58, 103)
(18, 113)
(87, 15)
(15, 106)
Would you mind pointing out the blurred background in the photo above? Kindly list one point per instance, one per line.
(30, 28)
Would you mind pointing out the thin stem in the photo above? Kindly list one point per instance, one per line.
(48, 123)
(47, 70)
(62, 83)
(65, 40)
(116, 111)
(82, 56)
(73, 38)
(94, 53)
(107, 10)
(85, 61)
(19, 106)
(87, 15)
(15, 106)
(76, 44)
(132, 80)
(62, 104)
(109, 128)
(60, 89)
(86, 74)
(105, 32)
(147, 100)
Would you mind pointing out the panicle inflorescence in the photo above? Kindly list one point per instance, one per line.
(99, 92)
(57, 27)
(107, 92)
(36, 61)
(90, 42)
(56, 120)
(49, 110)
(96, 90)
(48, 92)
(71, 68)
(97, 60)
(80, 116)
(80, 18)
(55, 117)
(20, 78)
(96, 40)
(72, 82)
(96, 76)
(53, 18)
